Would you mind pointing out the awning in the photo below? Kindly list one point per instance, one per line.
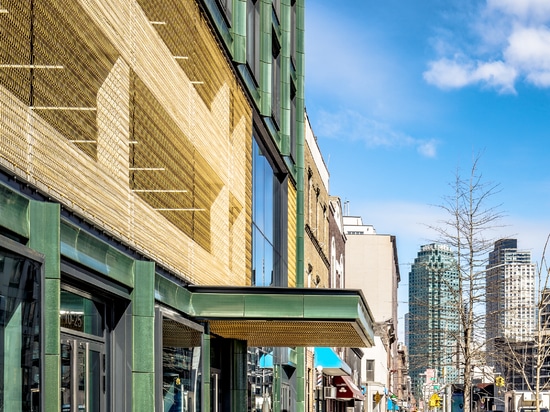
(392, 405)
(266, 360)
(330, 362)
(285, 317)
(346, 389)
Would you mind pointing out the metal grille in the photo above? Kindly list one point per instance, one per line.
(135, 121)
(289, 333)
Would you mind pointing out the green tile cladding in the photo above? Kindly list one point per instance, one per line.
(83, 248)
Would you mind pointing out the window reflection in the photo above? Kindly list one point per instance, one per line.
(81, 314)
(264, 248)
(19, 333)
(181, 364)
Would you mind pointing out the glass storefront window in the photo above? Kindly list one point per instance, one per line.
(20, 289)
(80, 314)
(181, 367)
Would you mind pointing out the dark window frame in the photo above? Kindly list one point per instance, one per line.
(253, 38)
(279, 225)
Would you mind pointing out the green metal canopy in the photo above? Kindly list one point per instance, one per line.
(274, 316)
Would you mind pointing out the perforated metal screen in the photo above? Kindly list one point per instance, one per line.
(129, 114)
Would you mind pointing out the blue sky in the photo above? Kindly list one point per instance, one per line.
(402, 93)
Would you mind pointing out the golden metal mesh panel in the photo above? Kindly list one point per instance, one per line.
(290, 333)
(179, 335)
(292, 213)
(178, 23)
(97, 112)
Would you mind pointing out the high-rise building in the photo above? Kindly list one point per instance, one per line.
(510, 297)
(433, 321)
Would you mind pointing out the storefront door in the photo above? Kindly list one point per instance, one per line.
(82, 375)
(83, 352)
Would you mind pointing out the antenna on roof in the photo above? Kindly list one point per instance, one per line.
(346, 208)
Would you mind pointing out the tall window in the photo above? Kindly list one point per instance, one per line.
(293, 39)
(276, 79)
(370, 370)
(19, 332)
(226, 7)
(269, 222)
(253, 37)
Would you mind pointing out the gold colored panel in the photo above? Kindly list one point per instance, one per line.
(92, 94)
(292, 230)
(290, 333)
(179, 335)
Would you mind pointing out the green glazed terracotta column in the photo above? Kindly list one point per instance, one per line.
(44, 223)
(143, 338)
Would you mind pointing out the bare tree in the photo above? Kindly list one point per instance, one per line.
(467, 230)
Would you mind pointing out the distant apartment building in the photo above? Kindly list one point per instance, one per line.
(433, 321)
(510, 306)
(372, 266)
(510, 283)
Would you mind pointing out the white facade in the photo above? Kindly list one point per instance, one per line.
(372, 266)
(519, 305)
(375, 375)
(510, 293)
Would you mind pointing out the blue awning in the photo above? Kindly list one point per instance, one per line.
(392, 405)
(330, 362)
(266, 360)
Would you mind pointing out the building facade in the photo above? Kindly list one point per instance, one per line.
(433, 323)
(152, 208)
(372, 266)
(334, 372)
(510, 283)
(337, 244)
(512, 314)
(317, 214)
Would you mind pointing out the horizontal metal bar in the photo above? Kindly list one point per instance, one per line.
(83, 141)
(147, 168)
(167, 209)
(160, 191)
(30, 66)
(82, 109)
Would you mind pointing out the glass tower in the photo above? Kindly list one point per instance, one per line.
(433, 321)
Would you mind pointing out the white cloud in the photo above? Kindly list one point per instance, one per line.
(428, 149)
(351, 125)
(513, 45)
(522, 9)
(529, 50)
(446, 73)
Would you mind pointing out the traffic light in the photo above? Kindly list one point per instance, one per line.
(435, 401)
(499, 381)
